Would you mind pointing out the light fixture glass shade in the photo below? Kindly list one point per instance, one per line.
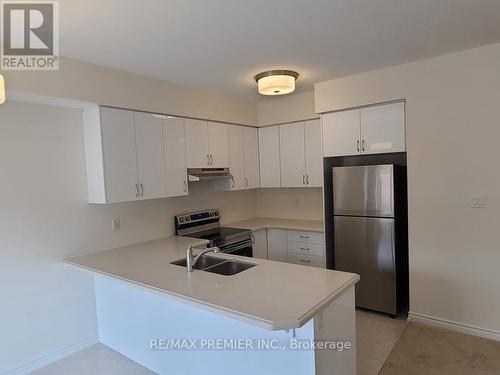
(276, 82)
(2, 90)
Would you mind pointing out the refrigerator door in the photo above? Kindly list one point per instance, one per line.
(364, 191)
(366, 246)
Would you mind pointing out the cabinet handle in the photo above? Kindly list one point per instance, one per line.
(137, 191)
(232, 187)
(211, 160)
(305, 249)
(253, 239)
(185, 186)
(303, 179)
(357, 145)
(307, 179)
(208, 159)
(363, 145)
(142, 190)
(246, 182)
(305, 260)
(306, 237)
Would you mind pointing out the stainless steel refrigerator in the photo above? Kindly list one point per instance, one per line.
(365, 233)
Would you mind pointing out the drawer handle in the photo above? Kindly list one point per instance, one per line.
(305, 260)
(305, 249)
(306, 237)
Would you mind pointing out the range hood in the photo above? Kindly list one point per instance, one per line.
(208, 174)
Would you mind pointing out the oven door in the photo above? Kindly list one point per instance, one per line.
(243, 248)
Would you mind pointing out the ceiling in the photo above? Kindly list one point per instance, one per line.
(222, 44)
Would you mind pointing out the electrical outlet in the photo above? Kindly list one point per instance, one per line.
(115, 225)
(479, 200)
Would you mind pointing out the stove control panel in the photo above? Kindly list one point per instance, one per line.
(197, 218)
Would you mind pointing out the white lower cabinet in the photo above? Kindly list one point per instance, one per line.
(276, 245)
(259, 244)
(305, 248)
(306, 260)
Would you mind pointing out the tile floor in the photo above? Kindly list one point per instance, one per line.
(424, 350)
(376, 336)
(95, 360)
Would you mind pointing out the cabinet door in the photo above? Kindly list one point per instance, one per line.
(236, 163)
(314, 156)
(150, 159)
(218, 145)
(119, 153)
(341, 133)
(251, 157)
(174, 140)
(277, 245)
(383, 128)
(269, 155)
(293, 160)
(197, 143)
(259, 244)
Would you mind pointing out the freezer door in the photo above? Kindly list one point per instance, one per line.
(366, 246)
(364, 191)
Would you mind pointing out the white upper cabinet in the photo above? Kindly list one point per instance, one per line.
(124, 155)
(207, 144)
(197, 144)
(269, 151)
(251, 157)
(314, 156)
(301, 157)
(369, 130)
(150, 160)
(218, 145)
(119, 155)
(236, 162)
(383, 128)
(174, 141)
(341, 133)
(292, 154)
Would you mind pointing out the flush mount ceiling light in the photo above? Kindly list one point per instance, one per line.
(276, 82)
(2, 90)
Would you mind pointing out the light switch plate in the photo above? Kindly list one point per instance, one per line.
(479, 200)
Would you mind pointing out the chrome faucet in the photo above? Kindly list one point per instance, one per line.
(191, 261)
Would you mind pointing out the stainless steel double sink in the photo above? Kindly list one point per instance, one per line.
(216, 265)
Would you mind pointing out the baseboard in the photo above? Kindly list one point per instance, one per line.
(454, 326)
(51, 357)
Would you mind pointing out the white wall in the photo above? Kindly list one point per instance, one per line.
(81, 81)
(288, 108)
(290, 203)
(453, 130)
(44, 218)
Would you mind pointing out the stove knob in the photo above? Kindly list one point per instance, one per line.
(216, 213)
(188, 219)
(211, 214)
(181, 220)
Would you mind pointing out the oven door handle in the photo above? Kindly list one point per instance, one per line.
(239, 246)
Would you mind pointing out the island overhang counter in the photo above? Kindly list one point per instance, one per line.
(147, 306)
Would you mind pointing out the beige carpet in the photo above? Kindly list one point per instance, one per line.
(424, 350)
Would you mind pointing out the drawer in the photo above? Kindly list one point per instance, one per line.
(306, 260)
(306, 248)
(309, 237)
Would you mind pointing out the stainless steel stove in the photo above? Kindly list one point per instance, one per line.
(206, 225)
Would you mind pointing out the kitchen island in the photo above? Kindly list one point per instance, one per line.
(263, 320)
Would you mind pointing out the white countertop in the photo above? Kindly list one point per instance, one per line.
(272, 295)
(259, 223)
